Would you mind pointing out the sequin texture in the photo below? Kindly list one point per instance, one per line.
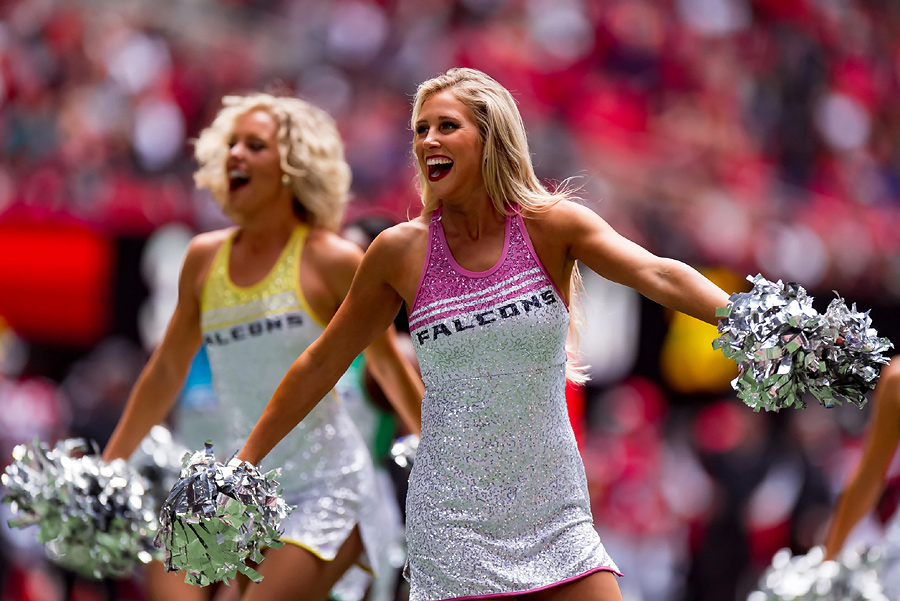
(498, 499)
(253, 335)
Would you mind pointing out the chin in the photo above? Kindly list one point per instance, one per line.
(436, 187)
(232, 212)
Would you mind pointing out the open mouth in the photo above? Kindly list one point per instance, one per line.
(438, 168)
(237, 179)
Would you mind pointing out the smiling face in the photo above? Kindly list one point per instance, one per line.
(449, 148)
(253, 164)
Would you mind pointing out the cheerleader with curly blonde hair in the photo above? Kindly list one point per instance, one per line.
(256, 295)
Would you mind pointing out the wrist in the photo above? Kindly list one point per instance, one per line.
(236, 462)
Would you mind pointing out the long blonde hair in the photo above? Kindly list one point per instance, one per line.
(507, 170)
(312, 154)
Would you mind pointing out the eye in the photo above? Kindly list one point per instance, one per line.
(421, 130)
(449, 125)
(256, 145)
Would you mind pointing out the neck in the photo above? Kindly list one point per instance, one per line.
(267, 230)
(472, 221)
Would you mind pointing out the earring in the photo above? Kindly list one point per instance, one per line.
(285, 180)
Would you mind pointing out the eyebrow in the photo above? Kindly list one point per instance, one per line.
(246, 136)
(440, 118)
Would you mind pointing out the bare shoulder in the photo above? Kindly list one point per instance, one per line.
(403, 237)
(329, 251)
(397, 256)
(400, 249)
(203, 248)
(209, 242)
(566, 215)
(564, 224)
(198, 260)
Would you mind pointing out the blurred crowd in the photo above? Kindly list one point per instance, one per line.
(740, 136)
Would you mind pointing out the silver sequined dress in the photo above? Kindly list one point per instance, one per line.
(252, 336)
(498, 500)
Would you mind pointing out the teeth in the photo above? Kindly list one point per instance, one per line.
(237, 174)
(438, 161)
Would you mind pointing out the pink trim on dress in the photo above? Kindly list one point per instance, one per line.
(416, 299)
(534, 590)
(477, 274)
(537, 258)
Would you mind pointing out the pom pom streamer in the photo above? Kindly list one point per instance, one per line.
(854, 576)
(785, 348)
(92, 515)
(217, 515)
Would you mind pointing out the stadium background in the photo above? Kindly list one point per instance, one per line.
(741, 136)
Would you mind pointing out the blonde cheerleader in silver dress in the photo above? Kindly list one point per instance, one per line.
(257, 295)
(498, 504)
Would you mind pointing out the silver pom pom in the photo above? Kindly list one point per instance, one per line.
(784, 348)
(92, 515)
(853, 577)
(217, 515)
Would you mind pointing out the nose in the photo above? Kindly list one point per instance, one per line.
(236, 149)
(430, 141)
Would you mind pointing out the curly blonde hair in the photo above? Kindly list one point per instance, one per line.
(507, 169)
(312, 154)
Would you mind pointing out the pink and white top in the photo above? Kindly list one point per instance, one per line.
(497, 501)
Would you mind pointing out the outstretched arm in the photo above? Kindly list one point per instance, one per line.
(670, 283)
(867, 482)
(368, 310)
(157, 387)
